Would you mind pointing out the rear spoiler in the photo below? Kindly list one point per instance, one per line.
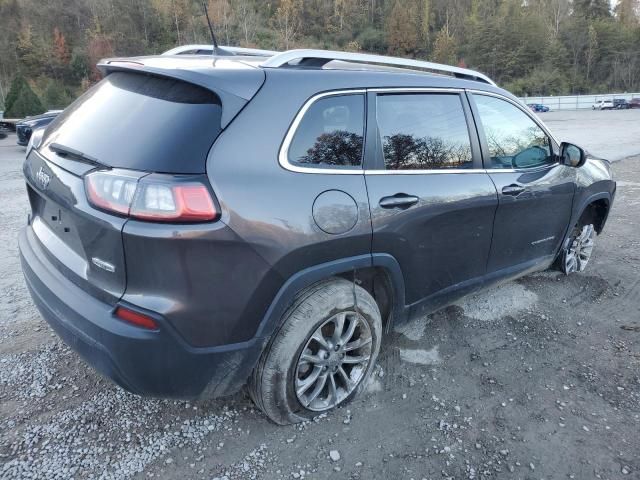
(234, 86)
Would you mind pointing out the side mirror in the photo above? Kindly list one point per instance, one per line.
(571, 155)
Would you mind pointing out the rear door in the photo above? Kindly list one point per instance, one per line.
(129, 122)
(535, 192)
(432, 204)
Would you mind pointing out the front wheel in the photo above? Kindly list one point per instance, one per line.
(577, 251)
(322, 355)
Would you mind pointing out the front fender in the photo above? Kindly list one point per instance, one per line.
(594, 181)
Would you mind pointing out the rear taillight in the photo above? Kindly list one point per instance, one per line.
(158, 198)
(183, 203)
(111, 192)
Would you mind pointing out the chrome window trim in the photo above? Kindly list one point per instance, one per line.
(434, 171)
(539, 168)
(416, 90)
(283, 156)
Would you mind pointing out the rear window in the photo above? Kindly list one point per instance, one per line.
(142, 122)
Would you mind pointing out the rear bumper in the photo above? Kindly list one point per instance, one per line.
(153, 363)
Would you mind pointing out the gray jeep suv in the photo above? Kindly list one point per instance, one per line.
(199, 223)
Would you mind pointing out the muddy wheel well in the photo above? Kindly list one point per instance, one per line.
(376, 281)
(595, 213)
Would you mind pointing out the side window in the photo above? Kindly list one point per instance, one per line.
(330, 134)
(514, 139)
(423, 131)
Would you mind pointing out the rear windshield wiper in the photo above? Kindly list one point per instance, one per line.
(65, 151)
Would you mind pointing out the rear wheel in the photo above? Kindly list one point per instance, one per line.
(322, 355)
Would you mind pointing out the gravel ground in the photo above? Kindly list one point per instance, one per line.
(535, 379)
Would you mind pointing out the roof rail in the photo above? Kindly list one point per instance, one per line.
(251, 51)
(319, 58)
(209, 48)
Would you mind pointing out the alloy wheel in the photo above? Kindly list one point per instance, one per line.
(334, 361)
(579, 251)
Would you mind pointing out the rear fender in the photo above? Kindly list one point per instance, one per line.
(309, 276)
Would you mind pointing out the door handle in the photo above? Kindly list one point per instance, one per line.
(399, 200)
(514, 190)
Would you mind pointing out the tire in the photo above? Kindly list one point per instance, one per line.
(577, 250)
(282, 372)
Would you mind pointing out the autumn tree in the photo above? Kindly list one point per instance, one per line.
(425, 21)
(223, 17)
(445, 47)
(61, 57)
(60, 49)
(99, 46)
(248, 20)
(29, 58)
(287, 20)
(592, 47)
(402, 29)
(627, 12)
(344, 14)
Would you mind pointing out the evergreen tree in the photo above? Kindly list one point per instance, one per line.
(80, 67)
(55, 96)
(592, 8)
(25, 102)
(14, 91)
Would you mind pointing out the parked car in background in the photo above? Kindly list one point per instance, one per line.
(620, 104)
(25, 128)
(538, 107)
(634, 103)
(197, 225)
(603, 105)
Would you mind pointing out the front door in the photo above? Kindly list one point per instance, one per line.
(535, 192)
(432, 205)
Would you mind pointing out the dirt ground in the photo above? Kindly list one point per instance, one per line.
(535, 379)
